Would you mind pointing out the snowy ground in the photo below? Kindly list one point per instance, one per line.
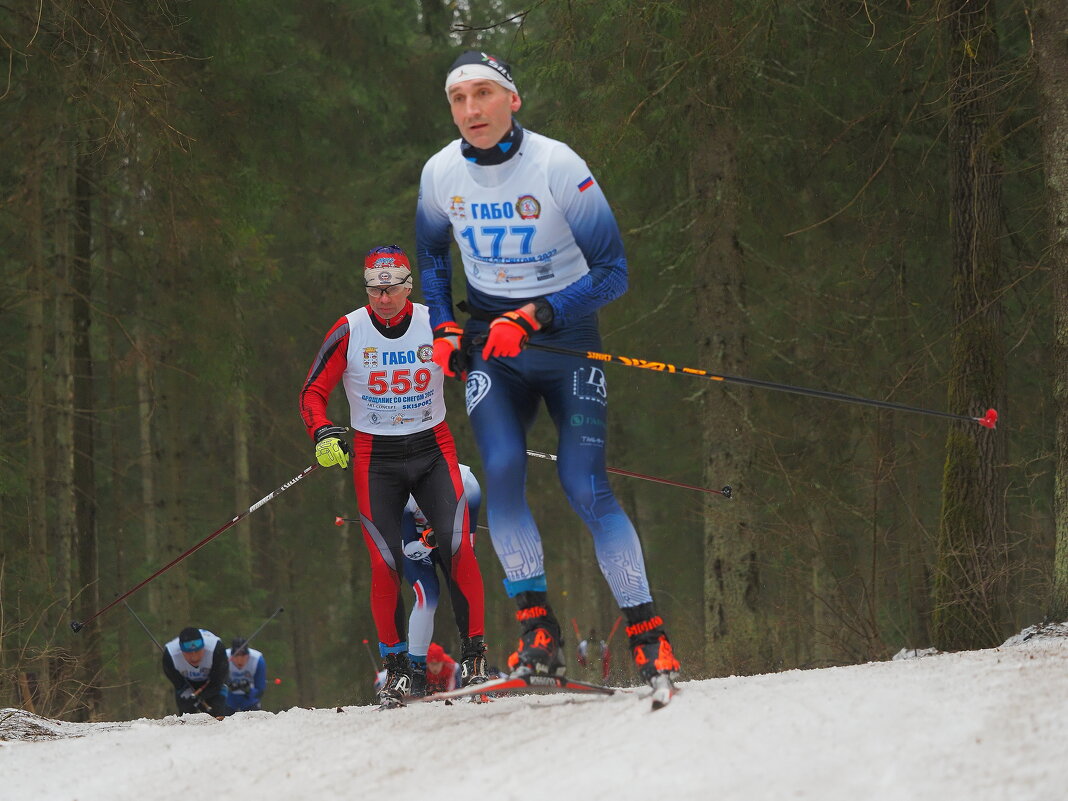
(987, 724)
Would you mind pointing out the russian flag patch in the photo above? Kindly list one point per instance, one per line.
(586, 184)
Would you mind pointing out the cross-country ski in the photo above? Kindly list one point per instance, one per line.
(531, 683)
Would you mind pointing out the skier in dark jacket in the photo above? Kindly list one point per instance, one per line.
(196, 664)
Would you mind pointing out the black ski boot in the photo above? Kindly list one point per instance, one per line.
(540, 642)
(398, 681)
(473, 661)
(418, 679)
(652, 652)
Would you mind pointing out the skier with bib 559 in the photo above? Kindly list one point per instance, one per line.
(541, 253)
(382, 353)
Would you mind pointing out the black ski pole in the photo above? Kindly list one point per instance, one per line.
(200, 701)
(340, 521)
(726, 492)
(77, 626)
(374, 664)
(988, 420)
(277, 612)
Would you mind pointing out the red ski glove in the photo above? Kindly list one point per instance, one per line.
(509, 333)
(447, 353)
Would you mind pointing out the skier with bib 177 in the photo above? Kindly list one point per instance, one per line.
(541, 253)
(382, 353)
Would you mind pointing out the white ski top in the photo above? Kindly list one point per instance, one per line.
(393, 385)
(202, 671)
(248, 672)
(513, 243)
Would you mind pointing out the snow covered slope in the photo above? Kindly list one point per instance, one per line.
(987, 724)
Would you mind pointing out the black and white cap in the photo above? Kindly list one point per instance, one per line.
(475, 64)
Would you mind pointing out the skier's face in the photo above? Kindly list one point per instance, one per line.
(482, 110)
(193, 657)
(239, 660)
(387, 302)
(434, 667)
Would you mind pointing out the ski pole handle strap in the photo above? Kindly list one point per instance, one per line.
(447, 329)
(522, 319)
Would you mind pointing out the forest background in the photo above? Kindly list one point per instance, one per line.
(862, 197)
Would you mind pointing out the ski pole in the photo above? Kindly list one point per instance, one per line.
(580, 654)
(726, 492)
(988, 420)
(340, 521)
(277, 612)
(374, 664)
(196, 693)
(77, 626)
(606, 650)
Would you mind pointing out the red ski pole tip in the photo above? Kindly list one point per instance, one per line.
(990, 419)
(338, 521)
(277, 681)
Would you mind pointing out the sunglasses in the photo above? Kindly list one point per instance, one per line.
(379, 291)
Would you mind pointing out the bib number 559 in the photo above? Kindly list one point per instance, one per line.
(399, 382)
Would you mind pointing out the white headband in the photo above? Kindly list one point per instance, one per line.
(387, 275)
(471, 72)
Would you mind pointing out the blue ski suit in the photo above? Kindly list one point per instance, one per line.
(535, 226)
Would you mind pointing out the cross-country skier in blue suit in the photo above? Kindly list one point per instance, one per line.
(542, 253)
(421, 565)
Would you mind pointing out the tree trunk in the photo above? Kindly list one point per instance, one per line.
(735, 637)
(243, 494)
(61, 487)
(63, 473)
(972, 564)
(118, 448)
(147, 459)
(437, 19)
(1050, 27)
(176, 535)
(84, 479)
(36, 399)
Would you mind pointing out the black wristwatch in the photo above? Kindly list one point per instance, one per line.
(543, 312)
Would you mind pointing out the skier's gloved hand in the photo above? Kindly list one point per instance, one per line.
(330, 446)
(447, 352)
(186, 694)
(509, 333)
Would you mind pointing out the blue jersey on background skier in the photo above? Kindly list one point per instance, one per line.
(248, 676)
(542, 253)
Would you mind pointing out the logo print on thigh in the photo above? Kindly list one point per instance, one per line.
(590, 384)
(477, 387)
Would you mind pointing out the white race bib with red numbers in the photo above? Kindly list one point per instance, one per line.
(393, 385)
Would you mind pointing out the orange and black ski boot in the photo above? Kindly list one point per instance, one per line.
(540, 642)
(652, 652)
